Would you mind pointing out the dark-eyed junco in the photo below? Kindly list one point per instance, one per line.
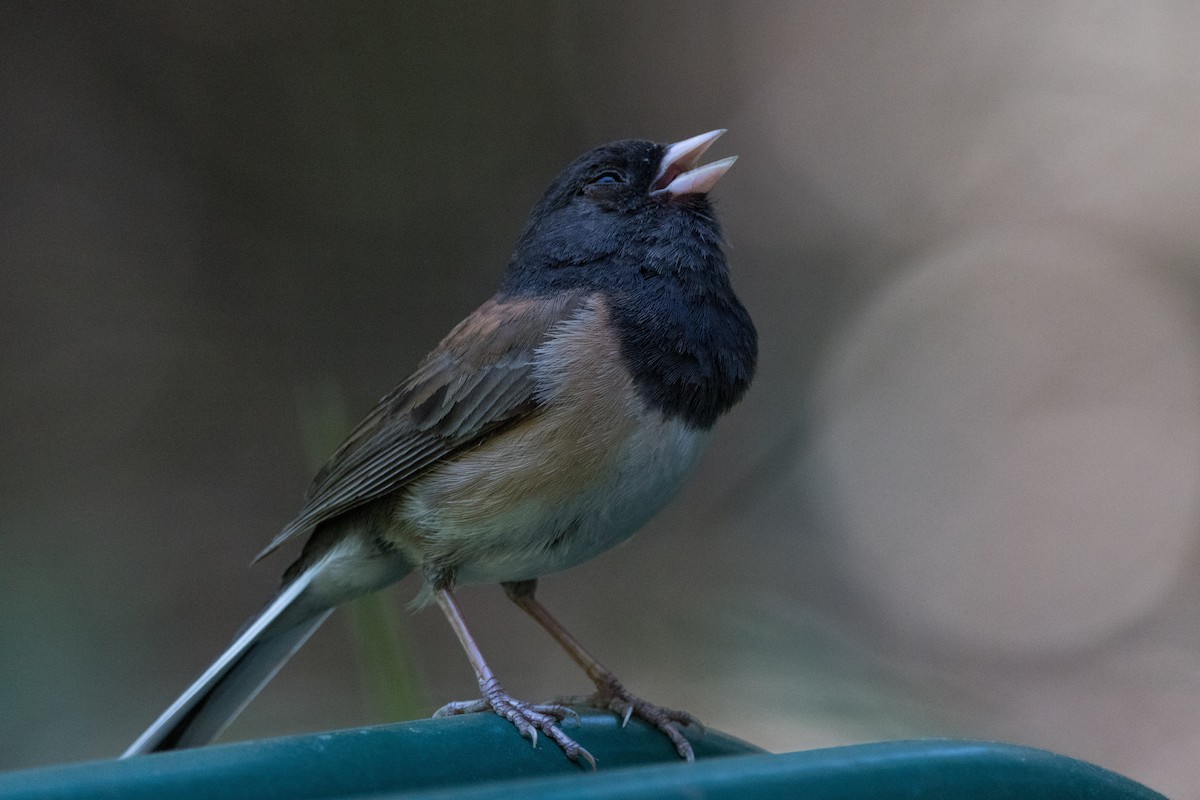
(544, 429)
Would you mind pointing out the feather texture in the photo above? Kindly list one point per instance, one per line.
(478, 381)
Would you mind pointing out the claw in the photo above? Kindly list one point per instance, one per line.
(527, 719)
(612, 696)
(461, 707)
(567, 711)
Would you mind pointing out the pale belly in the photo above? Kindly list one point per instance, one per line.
(521, 521)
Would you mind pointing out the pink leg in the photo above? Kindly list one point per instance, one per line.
(527, 719)
(610, 694)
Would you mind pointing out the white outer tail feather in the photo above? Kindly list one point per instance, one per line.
(239, 674)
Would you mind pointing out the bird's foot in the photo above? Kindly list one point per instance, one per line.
(612, 696)
(528, 719)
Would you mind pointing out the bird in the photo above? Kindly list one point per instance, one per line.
(545, 428)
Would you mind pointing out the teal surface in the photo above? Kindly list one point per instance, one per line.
(479, 756)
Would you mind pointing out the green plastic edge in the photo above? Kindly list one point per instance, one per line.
(906, 770)
(479, 756)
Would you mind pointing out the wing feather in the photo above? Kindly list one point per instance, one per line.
(478, 380)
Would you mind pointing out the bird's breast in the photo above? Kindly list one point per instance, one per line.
(581, 474)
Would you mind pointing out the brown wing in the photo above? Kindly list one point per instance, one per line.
(478, 380)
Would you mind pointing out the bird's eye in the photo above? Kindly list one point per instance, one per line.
(604, 185)
(608, 177)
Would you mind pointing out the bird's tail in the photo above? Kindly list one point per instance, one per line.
(352, 567)
(265, 643)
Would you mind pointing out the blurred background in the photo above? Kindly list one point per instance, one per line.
(961, 498)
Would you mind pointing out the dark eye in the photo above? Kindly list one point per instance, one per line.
(607, 177)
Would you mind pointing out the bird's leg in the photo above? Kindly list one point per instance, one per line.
(527, 719)
(610, 694)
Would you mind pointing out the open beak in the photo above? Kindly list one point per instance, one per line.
(679, 174)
